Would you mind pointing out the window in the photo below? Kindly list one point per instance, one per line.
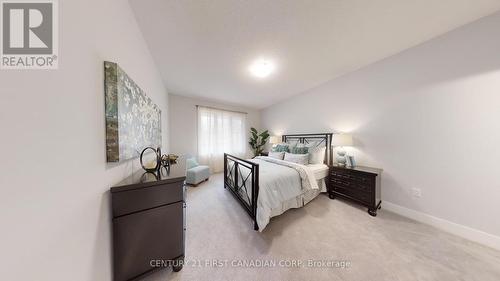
(219, 132)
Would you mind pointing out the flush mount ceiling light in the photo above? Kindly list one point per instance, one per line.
(261, 68)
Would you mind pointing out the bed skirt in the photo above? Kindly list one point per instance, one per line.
(299, 201)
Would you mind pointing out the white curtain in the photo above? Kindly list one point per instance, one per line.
(220, 132)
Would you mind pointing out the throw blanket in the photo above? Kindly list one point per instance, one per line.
(279, 182)
(306, 175)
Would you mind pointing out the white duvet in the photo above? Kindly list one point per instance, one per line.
(280, 181)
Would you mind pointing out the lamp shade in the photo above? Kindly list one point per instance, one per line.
(342, 140)
(274, 139)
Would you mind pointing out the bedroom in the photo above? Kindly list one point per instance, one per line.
(405, 92)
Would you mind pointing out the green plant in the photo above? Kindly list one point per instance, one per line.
(257, 141)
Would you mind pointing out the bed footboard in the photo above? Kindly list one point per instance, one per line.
(241, 177)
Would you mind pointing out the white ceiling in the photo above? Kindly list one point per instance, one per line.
(203, 48)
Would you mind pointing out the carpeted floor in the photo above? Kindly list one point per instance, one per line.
(344, 242)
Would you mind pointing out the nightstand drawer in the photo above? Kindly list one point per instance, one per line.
(340, 182)
(360, 186)
(345, 175)
(351, 174)
(365, 197)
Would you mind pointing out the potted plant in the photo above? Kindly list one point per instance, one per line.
(257, 141)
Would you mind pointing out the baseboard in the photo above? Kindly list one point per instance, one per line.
(463, 231)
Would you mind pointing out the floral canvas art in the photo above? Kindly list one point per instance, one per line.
(133, 121)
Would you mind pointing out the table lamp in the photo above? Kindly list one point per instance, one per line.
(274, 139)
(339, 141)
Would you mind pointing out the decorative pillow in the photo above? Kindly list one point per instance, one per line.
(277, 155)
(292, 143)
(302, 159)
(280, 147)
(299, 149)
(316, 152)
(317, 155)
(191, 163)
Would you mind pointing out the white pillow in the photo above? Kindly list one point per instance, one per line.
(293, 143)
(302, 159)
(277, 155)
(316, 152)
(317, 155)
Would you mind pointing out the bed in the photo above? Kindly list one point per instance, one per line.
(267, 187)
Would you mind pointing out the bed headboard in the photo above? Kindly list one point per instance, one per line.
(322, 139)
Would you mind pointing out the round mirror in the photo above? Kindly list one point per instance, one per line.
(149, 159)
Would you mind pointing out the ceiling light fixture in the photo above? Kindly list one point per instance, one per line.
(261, 68)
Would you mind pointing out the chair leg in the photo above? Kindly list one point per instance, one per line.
(196, 184)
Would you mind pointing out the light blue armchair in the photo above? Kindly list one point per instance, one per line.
(196, 173)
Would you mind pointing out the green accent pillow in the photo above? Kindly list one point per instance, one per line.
(280, 147)
(191, 163)
(299, 149)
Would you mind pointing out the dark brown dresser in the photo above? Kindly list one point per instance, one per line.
(149, 222)
(358, 184)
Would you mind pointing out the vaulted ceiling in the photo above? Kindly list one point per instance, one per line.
(204, 48)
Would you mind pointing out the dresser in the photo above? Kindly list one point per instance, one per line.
(358, 184)
(149, 222)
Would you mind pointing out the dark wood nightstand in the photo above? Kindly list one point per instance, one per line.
(264, 153)
(358, 184)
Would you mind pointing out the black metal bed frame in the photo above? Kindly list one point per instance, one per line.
(241, 175)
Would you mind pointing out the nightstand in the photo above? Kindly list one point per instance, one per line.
(358, 184)
(264, 153)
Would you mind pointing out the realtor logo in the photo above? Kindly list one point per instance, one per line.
(29, 34)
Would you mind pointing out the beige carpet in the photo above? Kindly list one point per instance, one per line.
(388, 247)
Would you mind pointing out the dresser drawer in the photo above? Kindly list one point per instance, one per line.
(138, 238)
(136, 200)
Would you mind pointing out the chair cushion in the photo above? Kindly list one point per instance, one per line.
(191, 163)
(197, 174)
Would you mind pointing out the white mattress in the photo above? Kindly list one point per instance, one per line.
(320, 170)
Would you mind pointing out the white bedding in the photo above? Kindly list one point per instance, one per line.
(284, 185)
(320, 170)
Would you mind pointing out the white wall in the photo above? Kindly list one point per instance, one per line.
(54, 181)
(430, 117)
(184, 126)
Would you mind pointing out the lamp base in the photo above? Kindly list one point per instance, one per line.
(341, 157)
(341, 161)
